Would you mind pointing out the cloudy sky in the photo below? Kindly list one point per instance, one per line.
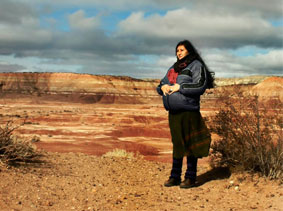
(138, 38)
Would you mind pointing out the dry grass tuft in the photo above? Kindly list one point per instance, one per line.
(15, 149)
(120, 153)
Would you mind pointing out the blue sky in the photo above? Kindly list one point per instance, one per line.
(137, 38)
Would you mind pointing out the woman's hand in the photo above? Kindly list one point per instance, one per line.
(166, 89)
(174, 88)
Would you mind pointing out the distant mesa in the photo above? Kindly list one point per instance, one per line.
(271, 87)
(240, 80)
(86, 88)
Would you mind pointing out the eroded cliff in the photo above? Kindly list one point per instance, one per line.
(86, 88)
(79, 87)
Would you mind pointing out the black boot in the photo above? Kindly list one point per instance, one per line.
(175, 177)
(191, 173)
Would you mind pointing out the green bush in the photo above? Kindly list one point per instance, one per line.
(250, 134)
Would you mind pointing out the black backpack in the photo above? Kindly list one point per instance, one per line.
(210, 79)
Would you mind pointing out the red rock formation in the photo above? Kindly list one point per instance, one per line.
(270, 88)
(86, 88)
(80, 87)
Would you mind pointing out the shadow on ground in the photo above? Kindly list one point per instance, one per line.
(213, 174)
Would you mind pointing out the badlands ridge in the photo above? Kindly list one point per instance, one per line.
(86, 88)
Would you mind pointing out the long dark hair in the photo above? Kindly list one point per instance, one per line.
(193, 52)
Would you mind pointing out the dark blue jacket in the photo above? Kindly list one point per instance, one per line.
(192, 81)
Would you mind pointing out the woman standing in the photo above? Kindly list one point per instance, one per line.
(181, 89)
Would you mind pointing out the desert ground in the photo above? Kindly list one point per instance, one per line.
(76, 181)
(92, 128)
(76, 174)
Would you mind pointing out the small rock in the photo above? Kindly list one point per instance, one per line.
(50, 204)
(118, 201)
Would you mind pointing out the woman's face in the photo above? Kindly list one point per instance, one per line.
(181, 52)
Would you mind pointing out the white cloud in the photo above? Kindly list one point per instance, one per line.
(267, 9)
(227, 64)
(270, 8)
(212, 30)
(266, 63)
(17, 37)
(78, 20)
(13, 12)
(20, 28)
(10, 67)
(143, 45)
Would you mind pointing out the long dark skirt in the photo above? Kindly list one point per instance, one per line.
(190, 136)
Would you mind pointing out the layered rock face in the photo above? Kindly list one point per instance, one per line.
(86, 88)
(271, 87)
(243, 80)
(80, 87)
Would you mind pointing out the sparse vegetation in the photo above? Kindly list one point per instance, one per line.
(119, 153)
(13, 148)
(250, 134)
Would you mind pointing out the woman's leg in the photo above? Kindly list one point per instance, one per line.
(177, 136)
(175, 125)
(191, 173)
(176, 168)
(176, 171)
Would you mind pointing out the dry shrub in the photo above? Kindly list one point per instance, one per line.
(140, 148)
(119, 153)
(13, 148)
(250, 134)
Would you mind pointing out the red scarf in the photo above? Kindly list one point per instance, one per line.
(172, 76)
(179, 66)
